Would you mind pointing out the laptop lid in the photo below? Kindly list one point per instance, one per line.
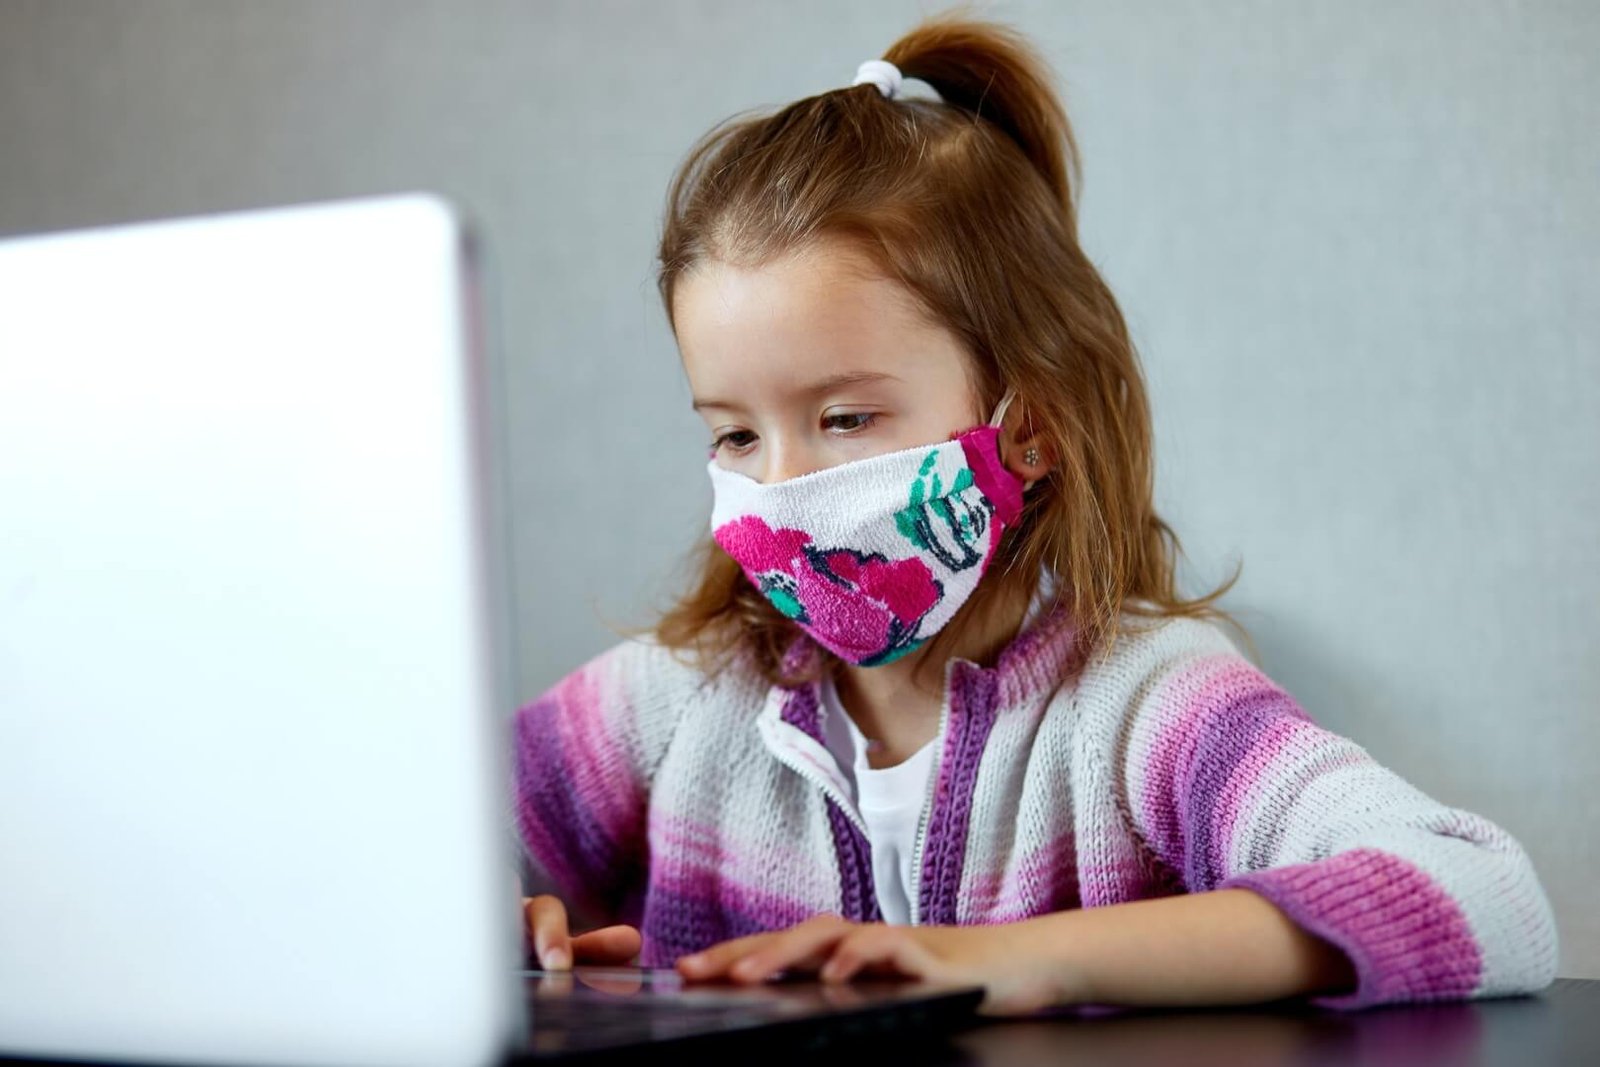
(254, 650)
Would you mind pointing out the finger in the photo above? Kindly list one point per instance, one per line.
(715, 961)
(547, 920)
(607, 946)
(719, 960)
(880, 950)
(803, 947)
(712, 962)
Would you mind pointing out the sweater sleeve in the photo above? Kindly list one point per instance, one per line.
(582, 759)
(1231, 784)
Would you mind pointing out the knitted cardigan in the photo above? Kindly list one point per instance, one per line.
(703, 809)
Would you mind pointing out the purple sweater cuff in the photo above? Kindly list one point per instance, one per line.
(1405, 936)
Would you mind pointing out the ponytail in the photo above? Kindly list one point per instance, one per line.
(990, 71)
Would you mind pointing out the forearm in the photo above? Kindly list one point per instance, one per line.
(1230, 946)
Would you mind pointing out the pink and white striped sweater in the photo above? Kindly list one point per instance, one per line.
(703, 809)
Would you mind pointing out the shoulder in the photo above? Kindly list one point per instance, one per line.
(1158, 667)
(1145, 646)
(640, 678)
(626, 706)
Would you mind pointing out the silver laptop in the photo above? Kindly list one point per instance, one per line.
(249, 672)
(255, 662)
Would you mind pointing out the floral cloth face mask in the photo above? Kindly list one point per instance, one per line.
(872, 557)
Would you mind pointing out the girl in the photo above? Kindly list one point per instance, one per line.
(934, 706)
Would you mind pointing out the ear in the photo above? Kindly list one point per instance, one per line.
(1013, 448)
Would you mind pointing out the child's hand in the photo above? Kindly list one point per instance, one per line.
(1004, 959)
(545, 920)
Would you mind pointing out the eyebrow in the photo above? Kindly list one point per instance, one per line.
(835, 381)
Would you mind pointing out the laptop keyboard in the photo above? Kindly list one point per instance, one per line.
(597, 1020)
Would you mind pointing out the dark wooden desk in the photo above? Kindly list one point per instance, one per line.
(1560, 1025)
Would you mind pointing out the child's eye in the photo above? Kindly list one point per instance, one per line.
(742, 440)
(728, 438)
(866, 418)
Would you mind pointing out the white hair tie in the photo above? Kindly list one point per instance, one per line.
(880, 72)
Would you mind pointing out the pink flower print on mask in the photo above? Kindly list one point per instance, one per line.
(864, 607)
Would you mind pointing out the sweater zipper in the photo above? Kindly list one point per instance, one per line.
(806, 771)
(929, 792)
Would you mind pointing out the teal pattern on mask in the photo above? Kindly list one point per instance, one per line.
(949, 524)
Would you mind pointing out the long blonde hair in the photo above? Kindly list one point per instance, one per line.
(968, 202)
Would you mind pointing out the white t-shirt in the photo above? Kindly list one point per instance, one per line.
(889, 798)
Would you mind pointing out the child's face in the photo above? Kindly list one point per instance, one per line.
(811, 361)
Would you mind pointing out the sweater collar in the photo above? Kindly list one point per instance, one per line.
(1031, 666)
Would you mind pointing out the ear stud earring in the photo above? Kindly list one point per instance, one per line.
(1031, 456)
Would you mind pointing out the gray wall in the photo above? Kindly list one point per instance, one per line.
(1353, 242)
